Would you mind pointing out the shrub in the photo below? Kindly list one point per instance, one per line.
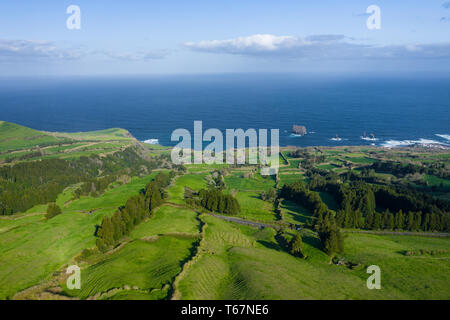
(53, 210)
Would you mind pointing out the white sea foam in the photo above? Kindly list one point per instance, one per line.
(336, 139)
(444, 136)
(405, 143)
(152, 141)
(293, 135)
(369, 139)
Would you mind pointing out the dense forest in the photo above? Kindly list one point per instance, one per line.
(370, 205)
(27, 184)
(402, 169)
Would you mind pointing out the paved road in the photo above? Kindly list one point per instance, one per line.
(297, 227)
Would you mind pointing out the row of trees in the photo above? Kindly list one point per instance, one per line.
(216, 201)
(358, 201)
(411, 221)
(398, 198)
(325, 223)
(311, 200)
(136, 209)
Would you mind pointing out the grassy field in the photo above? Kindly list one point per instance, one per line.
(16, 137)
(294, 213)
(147, 267)
(168, 220)
(253, 208)
(19, 143)
(183, 254)
(237, 181)
(31, 247)
(147, 263)
(416, 277)
(436, 181)
(193, 181)
(239, 262)
(286, 178)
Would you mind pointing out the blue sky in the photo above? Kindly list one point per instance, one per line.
(216, 36)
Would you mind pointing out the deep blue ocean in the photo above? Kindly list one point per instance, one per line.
(397, 110)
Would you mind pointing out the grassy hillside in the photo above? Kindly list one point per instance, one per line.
(32, 248)
(242, 263)
(184, 252)
(18, 143)
(15, 137)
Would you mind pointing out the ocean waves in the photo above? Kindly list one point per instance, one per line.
(420, 142)
(151, 141)
(369, 139)
(444, 136)
(441, 141)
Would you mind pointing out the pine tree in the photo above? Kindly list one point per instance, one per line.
(426, 223)
(434, 222)
(399, 220)
(101, 245)
(330, 236)
(377, 221)
(369, 221)
(410, 221)
(296, 245)
(348, 221)
(340, 218)
(106, 231)
(390, 221)
(358, 220)
(417, 220)
(53, 210)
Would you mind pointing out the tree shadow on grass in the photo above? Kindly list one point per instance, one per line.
(298, 213)
(312, 241)
(270, 245)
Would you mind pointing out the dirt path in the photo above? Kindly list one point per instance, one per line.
(197, 250)
(22, 216)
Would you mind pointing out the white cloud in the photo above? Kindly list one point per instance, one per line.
(268, 45)
(28, 51)
(142, 55)
(258, 43)
(31, 50)
(317, 47)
